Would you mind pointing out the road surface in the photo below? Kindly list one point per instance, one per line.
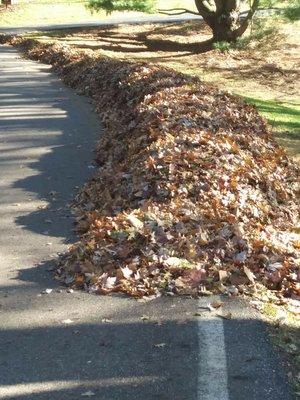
(64, 346)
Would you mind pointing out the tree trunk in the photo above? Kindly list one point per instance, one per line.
(223, 18)
(225, 27)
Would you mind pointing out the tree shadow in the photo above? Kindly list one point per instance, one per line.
(151, 45)
(141, 42)
(113, 360)
(50, 133)
(265, 74)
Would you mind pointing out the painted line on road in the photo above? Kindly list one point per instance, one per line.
(212, 366)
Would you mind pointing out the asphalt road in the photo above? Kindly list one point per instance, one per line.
(64, 346)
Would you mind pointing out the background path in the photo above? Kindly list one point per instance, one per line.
(64, 346)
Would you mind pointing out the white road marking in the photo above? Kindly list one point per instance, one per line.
(212, 368)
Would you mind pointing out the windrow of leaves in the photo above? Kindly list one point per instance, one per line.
(191, 194)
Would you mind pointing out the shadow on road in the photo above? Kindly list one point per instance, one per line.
(118, 359)
(49, 132)
(114, 361)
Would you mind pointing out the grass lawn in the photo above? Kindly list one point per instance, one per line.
(43, 12)
(265, 74)
(284, 117)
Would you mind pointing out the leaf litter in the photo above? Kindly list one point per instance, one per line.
(191, 193)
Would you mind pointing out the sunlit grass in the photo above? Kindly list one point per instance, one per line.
(42, 12)
(284, 118)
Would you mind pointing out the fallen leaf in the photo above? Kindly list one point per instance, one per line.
(88, 394)
(249, 274)
(225, 316)
(223, 275)
(135, 221)
(106, 320)
(240, 257)
(127, 272)
(216, 304)
(47, 291)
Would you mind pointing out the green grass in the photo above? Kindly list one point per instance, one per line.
(284, 118)
(43, 12)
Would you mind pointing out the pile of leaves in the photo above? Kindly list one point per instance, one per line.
(191, 193)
